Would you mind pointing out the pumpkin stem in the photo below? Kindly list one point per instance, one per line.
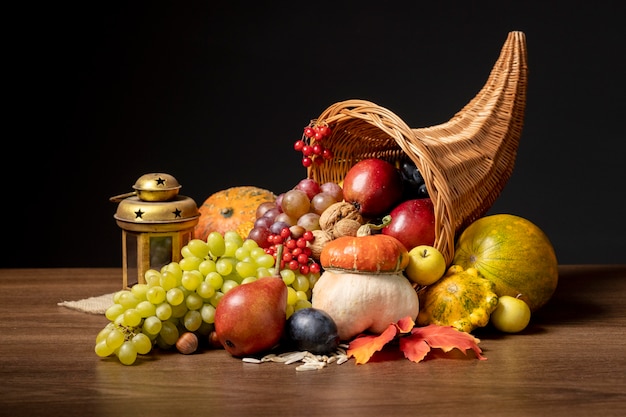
(227, 212)
(367, 228)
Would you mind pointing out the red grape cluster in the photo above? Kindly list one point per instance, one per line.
(296, 254)
(311, 146)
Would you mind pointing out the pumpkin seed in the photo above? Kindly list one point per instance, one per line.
(311, 366)
(295, 357)
(341, 359)
(309, 360)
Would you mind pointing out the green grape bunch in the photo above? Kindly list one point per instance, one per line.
(182, 296)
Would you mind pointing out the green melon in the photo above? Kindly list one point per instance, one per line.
(513, 253)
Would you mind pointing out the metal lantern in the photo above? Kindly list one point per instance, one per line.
(156, 223)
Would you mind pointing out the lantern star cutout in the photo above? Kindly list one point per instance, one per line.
(177, 213)
(139, 214)
(160, 181)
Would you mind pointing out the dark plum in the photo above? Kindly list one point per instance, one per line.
(413, 181)
(313, 330)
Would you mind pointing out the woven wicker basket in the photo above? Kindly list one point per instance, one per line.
(465, 162)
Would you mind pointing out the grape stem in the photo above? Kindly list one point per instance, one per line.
(279, 257)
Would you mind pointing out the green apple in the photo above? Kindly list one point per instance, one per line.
(512, 314)
(426, 265)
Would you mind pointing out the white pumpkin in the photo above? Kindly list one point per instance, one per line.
(364, 302)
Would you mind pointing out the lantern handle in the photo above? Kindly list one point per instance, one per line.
(120, 197)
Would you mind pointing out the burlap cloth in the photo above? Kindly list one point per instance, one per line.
(93, 305)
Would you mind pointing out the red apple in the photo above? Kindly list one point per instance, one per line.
(373, 186)
(412, 223)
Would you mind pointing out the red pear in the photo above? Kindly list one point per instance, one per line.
(250, 318)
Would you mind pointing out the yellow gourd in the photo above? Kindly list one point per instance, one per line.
(461, 299)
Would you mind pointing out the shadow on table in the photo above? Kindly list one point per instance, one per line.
(574, 300)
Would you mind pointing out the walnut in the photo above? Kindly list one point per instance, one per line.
(336, 212)
(321, 238)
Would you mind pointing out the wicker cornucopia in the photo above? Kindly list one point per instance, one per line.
(465, 162)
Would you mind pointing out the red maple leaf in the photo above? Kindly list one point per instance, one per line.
(415, 342)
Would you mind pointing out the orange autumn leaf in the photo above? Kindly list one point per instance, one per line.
(414, 349)
(364, 346)
(415, 345)
(405, 325)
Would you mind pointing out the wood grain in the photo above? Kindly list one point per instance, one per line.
(571, 361)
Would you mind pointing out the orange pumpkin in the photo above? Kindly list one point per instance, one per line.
(376, 253)
(231, 209)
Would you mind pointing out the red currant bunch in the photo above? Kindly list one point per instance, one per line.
(311, 145)
(296, 253)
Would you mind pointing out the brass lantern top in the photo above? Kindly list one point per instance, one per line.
(156, 187)
(155, 206)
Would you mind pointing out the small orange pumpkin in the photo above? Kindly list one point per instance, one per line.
(231, 209)
(375, 253)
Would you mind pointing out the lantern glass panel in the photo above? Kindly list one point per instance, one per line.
(160, 251)
(131, 256)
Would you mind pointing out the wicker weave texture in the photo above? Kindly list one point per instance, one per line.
(465, 161)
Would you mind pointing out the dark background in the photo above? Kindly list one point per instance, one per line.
(215, 93)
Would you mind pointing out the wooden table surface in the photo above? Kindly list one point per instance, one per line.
(570, 361)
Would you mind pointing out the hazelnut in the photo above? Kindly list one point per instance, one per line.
(345, 227)
(187, 343)
(214, 341)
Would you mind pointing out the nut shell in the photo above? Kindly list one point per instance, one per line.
(346, 227)
(187, 343)
(322, 238)
(336, 212)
